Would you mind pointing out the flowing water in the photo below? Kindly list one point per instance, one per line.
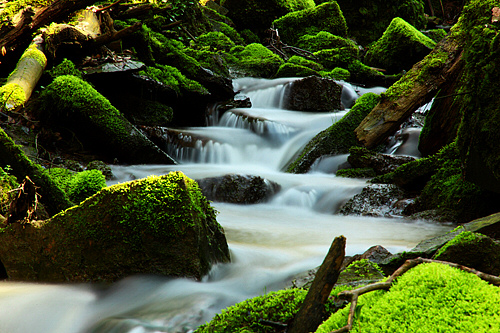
(269, 242)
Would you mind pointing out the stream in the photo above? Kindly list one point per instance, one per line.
(269, 242)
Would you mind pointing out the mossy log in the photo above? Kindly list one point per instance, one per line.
(24, 78)
(414, 89)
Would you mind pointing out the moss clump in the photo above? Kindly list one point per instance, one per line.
(324, 40)
(173, 78)
(256, 60)
(78, 185)
(215, 41)
(7, 183)
(337, 74)
(399, 48)
(463, 238)
(66, 67)
(325, 17)
(436, 34)
(294, 70)
(11, 8)
(428, 298)
(338, 138)
(361, 271)
(12, 95)
(305, 62)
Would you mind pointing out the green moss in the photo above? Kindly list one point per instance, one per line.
(173, 78)
(11, 8)
(338, 138)
(12, 95)
(466, 237)
(428, 298)
(66, 67)
(337, 74)
(7, 184)
(256, 60)
(215, 41)
(294, 70)
(78, 185)
(399, 48)
(436, 34)
(249, 36)
(32, 52)
(325, 17)
(230, 32)
(305, 62)
(325, 40)
(363, 269)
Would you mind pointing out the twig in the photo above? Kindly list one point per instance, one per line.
(352, 295)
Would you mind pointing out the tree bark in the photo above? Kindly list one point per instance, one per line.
(312, 312)
(424, 80)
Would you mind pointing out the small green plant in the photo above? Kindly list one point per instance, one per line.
(78, 186)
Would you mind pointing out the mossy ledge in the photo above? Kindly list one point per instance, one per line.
(157, 225)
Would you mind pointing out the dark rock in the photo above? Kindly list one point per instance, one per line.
(472, 250)
(313, 94)
(101, 166)
(376, 200)
(382, 163)
(238, 189)
(157, 225)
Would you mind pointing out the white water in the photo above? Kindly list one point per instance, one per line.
(269, 242)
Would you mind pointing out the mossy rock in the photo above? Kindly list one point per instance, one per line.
(215, 41)
(294, 70)
(435, 34)
(472, 250)
(368, 19)
(157, 225)
(256, 60)
(399, 48)
(325, 40)
(325, 17)
(429, 298)
(356, 173)
(70, 102)
(338, 138)
(360, 272)
(258, 15)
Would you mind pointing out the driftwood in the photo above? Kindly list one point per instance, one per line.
(352, 295)
(312, 312)
(386, 118)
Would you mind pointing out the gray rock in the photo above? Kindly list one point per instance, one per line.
(239, 189)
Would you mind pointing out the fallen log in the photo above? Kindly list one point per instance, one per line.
(23, 80)
(312, 312)
(416, 88)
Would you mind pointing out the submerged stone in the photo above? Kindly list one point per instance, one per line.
(157, 225)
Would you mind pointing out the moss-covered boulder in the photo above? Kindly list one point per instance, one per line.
(338, 138)
(399, 48)
(71, 103)
(78, 185)
(157, 225)
(325, 40)
(428, 298)
(314, 94)
(473, 250)
(258, 15)
(255, 60)
(325, 17)
(368, 19)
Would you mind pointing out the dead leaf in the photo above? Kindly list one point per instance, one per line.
(4, 51)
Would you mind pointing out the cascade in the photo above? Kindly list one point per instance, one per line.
(269, 242)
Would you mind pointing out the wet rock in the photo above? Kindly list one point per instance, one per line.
(381, 163)
(375, 254)
(376, 200)
(313, 94)
(472, 250)
(238, 189)
(157, 225)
